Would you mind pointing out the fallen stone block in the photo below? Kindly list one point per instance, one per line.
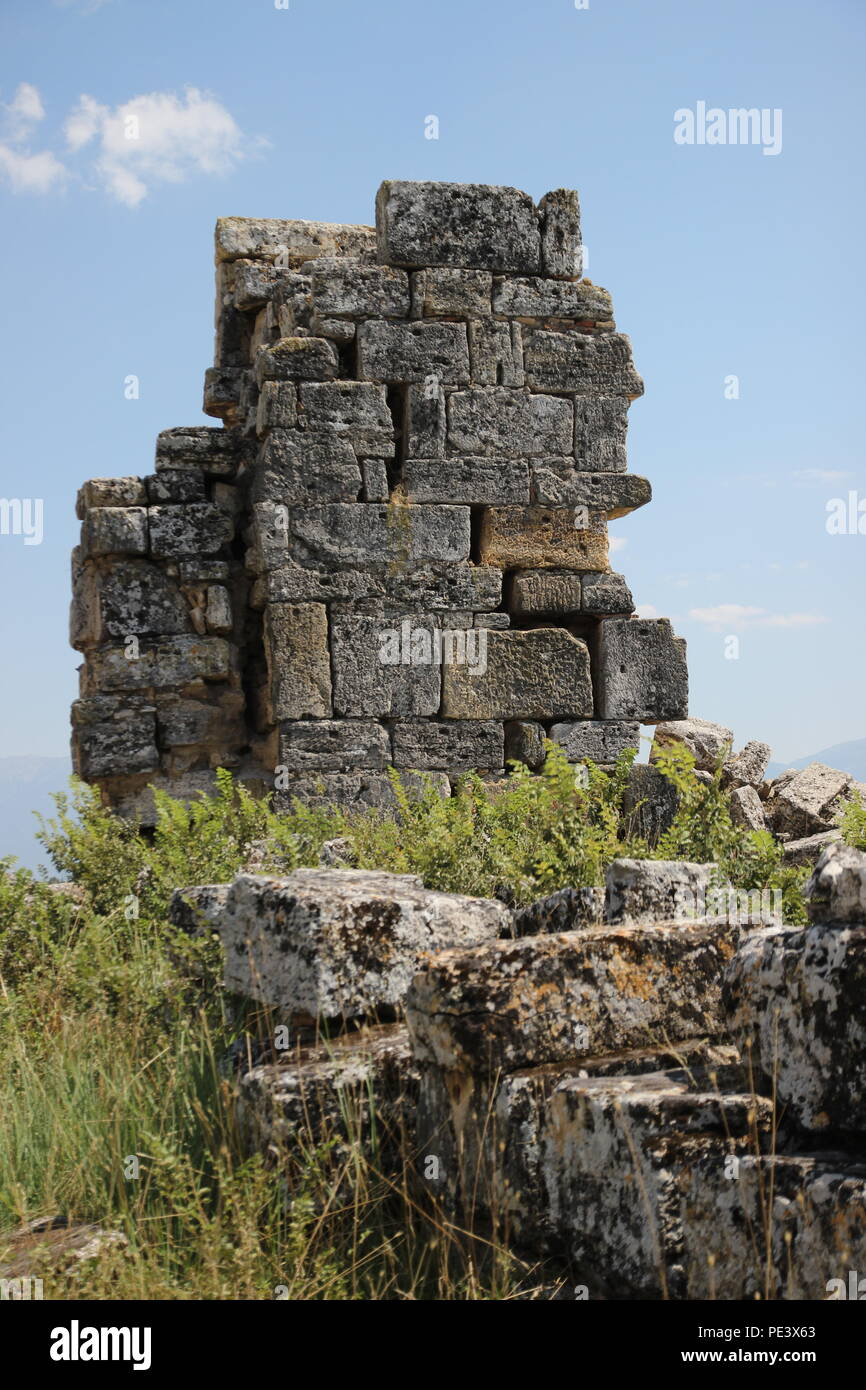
(707, 742)
(747, 768)
(836, 892)
(329, 943)
(639, 891)
(457, 224)
(566, 910)
(809, 849)
(747, 809)
(809, 801)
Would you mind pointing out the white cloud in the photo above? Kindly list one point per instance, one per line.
(646, 610)
(819, 475)
(616, 543)
(158, 137)
(26, 172)
(736, 615)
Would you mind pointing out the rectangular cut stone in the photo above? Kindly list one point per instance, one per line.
(330, 745)
(642, 672)
(296, 467)
(545, 591)
(358, 409)
(277, 407)
(544, 999)
(375, 476)
(425, 421)
(136, 597)
(358, 790)
(525, 743)
(347, 289)
(600, 426)
(117, 747)
(539, 674)
(172, 661)
(466, 480)
(561, 248)
(451, 746)
(386, 665)
(397, 539)
(199, 528)
(606, 593)
(534, 298)
(299, 667)
(217, 452)
(435, 587)
(496, 353)
(110, 492)
(291, 241)
(115, 531)
(457, 224)
(403, 352)
(499, 420)
(592, 738)
(175, 485)
(297, 359)
(442, 292)
(222, 392)
(589, 364)
(607, 494)
(537, 537)
(341, 943)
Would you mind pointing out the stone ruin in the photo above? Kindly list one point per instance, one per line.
(394, 551)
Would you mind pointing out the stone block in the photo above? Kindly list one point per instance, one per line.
(299, 668)
(457, 224)
(443, 292)
(496, 353)
(605, 594)
(589, 364)
(641, 891)
(356, 409)
(137, 598)
(510, 422)
(217, 453)
(386, 665)
(561, 247)
(708, 743)
(425, 421)
(118, 747)
(747, 809)
(374, 474)
(297, 359)
(343, 288)
(175, 486)
(539, 674)
(172, 661)
(299, 468)
(110, 492)
(540, 537)
(330, 943)
(277, 407)
(533, 298)
(466, 480)
(358, 791)
(451, 746)
(545, 591)
(332, 745)
(291, 242)
(606, 494)
(600, 430)
(642, 671)
(433, 587)
(747, 768)
(809, 850)
(650, 803)
(525, 743)
(395, 539)
(808, 802)
(200, 528)
(836, 892)
(114, 531)
(566, 910)
(594, 739)
(412, 352)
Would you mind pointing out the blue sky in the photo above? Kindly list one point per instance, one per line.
(722, 261)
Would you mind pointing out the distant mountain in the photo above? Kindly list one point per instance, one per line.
(26, 785)
(847, 757)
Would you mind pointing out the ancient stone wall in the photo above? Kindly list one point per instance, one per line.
(394, 552)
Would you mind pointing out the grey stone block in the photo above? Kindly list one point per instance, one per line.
(394, 539)
(608, 494)
(296, 467)
(514, 423)
(277, 407)
(836, 892)
(443, 292)
(524, 743)
(496, 353)
(296, 647)
(535, 298)
(539, 674)
(425, 420)
(297, 359)
(451, 746)
(114, 531)
(172, 661)
(545, 591)
(199, 528)
(642, 671)
(332, 745)
(466, 480)
(357, 409)
(606, 593)
(641, 891)
(384, 665)
(594, 739)
(119, 747)
(217, 453)
(412, 352)
(175, 486)
(343, 288)
(457, 224)
(589, 364)
(707, 742)
(600, 429)
(561, 248)
(110, 492)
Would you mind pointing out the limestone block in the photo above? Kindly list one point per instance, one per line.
(589, 364)
(457, 224)
(330, 745)
(299, 668)
(330, 943)
(223, 392)
(708, 743)
(594, 739)
(566, 910)
(809, 850)
(642, 671)
(443, 292)
(808, 802)
(110, 492)
(466, 480)
(452, 746)
(403, 352)
(391, 538)
(374, 473)
(298, 468)
(297, 359)
(507, 421)
(357, 791)
(605, 593)
(217, 453)
(385, 665)
(357, 409)
(640, 891)
(135, 597)
(545, 591)
(539, 674)
(496, 352)
(425, 421)
(433, 587)
(218, 610)
(608, 494)
(536, 298)
(747, 768)
(172, 661)
(200, 528)
(541, 537)
(524, 743)
(544, 999)
(277, 407)
(115, 531)
(836, 892)
(747, 809)
(347, 289)
(292, 242)
(561, 247)
(650, 803)
(117, 747)
(600, 429)
(175, 485)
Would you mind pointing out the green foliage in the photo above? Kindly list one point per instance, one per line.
(853, 824)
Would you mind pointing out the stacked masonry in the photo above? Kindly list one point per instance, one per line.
(395, 551)
(598, 1089)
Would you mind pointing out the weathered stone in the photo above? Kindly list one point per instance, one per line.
(347, 289)
(747, 768)
(809, 850)
(432, 587)
(172, 661)
(330, 745)
(110, 492)
(496, 353)
(608, 494)
(198, 910)
(182, 723)
(466, 480)
(524, 537)
(277, 407)
(217, 453)
(175, 486)
(358, 409)
(500, 420)
(457, 224)
(299, 668)
(374, 473)
(545, 999)
(329, 943)
(297, 359)
(386, 665)
(808, 802)
(539, 674)
(115, 531)
(442, 292)
(404, 352)
(532, 299)
(747, 809)
(794, 996)
(123, 745)
(707, 742)
(134, 597)
(199, 528)
(393, 538)
(424, 424)
(545, 591)
(639, 891)
(525, 743)
(605, 593)
(358, 791)
(561, 248)
(450, 746)
(292, 241)
(586, 363)
(223, 391)
(298, 468)
(642, 670)
(649, 804)
(600, 428)
(567, 910)
(836, 892)
(592, 738)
